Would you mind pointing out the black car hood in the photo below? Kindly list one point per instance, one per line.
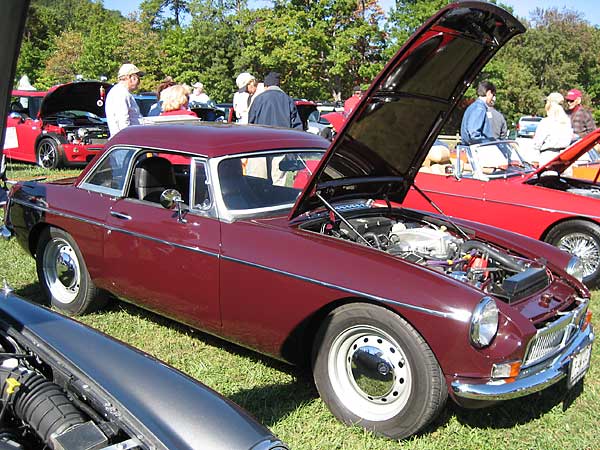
(385, 140)
(78, 96)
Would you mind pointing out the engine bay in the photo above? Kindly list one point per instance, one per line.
(440, 246)
(571, 185)
(44, 407)
(79, 128)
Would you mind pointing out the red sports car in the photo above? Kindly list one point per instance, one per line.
(492, 184)
(395, 310)
(63, 126)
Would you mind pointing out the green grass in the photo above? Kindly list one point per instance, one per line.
(284, 398)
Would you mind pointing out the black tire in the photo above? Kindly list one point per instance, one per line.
(373, 369)
(63, 274)
(49, 153)
(580, 238)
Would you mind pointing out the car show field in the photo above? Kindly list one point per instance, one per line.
(284, 399)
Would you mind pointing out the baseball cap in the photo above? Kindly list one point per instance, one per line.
(573, 94)
(272, 79)
(129, 69)
(197, 84)
(555, 97)
(243, 79)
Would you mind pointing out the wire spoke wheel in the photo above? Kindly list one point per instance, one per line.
(585, 247)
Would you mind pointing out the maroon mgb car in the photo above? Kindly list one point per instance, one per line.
(61, 127)
(272, 239)
(491, 183)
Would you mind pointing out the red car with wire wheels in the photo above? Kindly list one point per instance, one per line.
(63, 126)
(395, 310)
(493, 184)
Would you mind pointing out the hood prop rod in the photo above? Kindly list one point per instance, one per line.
(342, 218)
(438, 209)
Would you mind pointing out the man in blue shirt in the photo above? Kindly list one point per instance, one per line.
(476, 123)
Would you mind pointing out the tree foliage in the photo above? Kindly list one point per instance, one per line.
(321, 47)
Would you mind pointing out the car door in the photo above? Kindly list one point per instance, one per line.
(160, 259)
(21, 130)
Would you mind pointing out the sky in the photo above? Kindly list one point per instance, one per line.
(522, 8)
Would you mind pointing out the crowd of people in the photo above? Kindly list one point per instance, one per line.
(483, 123)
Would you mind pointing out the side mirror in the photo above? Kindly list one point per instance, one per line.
(170, 199)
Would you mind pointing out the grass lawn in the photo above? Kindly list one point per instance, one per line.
(284, 397)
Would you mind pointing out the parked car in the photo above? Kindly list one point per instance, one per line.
(145, 100)
(57, 394)
(394, 309)
(61, 127)
(527, 125)
(494, 185)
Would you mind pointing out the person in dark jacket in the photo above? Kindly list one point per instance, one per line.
(582, 120)
(274, 107)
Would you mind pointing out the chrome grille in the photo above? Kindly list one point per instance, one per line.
(555, 336)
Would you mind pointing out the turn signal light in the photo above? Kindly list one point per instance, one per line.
(587, 320)
(508, 371)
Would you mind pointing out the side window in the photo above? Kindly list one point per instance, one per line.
(201, 192)
(155, 172)
(110, 174)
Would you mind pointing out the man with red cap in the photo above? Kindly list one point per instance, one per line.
(582, 120)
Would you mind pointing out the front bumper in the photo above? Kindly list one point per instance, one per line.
(531, 380)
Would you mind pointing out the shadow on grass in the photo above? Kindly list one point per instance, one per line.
(273, 402)
(519, 411)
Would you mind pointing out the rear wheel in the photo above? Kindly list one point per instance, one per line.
(373, 369)
(49, 154)
(63, 274)
(582, 239)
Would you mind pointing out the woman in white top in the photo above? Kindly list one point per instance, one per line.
(241, 99)
(554, 132)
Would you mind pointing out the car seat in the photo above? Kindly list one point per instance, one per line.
(236, 192)
(153, 176)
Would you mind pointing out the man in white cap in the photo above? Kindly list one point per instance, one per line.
(121, 108)
(198, 95)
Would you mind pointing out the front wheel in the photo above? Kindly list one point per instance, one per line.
(373, 369)
(48, 154)
(63, 274)
(582, 239)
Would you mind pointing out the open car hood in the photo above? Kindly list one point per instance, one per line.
(77, 96)
(568, 157)
(379, 150)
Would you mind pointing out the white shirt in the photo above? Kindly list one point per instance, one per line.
(121, 109)
(241, 107)
(200, 98)
(552, 134)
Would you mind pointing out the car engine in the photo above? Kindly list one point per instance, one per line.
(442, 248)
(573, 186)
(42, 409)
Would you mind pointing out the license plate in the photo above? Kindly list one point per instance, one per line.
(579, 365)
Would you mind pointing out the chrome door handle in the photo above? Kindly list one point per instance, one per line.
(119, 215)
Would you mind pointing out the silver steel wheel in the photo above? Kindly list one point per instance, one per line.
(47, 154)
(370, 373)
(62, 273)
(585, 247)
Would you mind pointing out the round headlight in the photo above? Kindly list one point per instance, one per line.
(575, 268)
(484, 323)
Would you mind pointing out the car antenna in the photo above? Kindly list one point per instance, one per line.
(438, 209)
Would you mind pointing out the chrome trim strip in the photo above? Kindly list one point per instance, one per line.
(452, 316)
(529, 381)
(341, 288)
(487, 200)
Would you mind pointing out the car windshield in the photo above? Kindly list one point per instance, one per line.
(266, 181)
(495, 160)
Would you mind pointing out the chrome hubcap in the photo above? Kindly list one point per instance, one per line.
(47, 155)
(370, 373)
(583, 246)
(61, 271)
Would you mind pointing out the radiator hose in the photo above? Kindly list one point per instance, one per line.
(38, 402)
(501, 258)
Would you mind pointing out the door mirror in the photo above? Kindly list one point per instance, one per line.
(170, 198)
